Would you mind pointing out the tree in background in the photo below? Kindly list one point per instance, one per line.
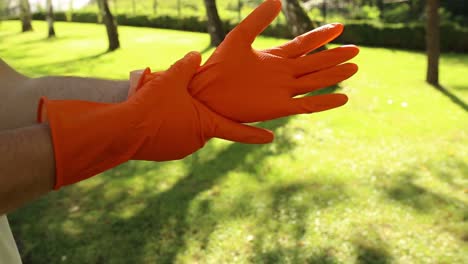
(296, 17)
(111, 25)
(381, 6)
(324, 11)
(50, 19)
(155, 6)
(3, 8)
(25, 14)
(433, 41)
(179, 8)
(215, 26)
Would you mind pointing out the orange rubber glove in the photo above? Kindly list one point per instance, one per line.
(248, 85)
(162, 122)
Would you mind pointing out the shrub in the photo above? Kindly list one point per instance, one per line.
(410, 36)
(58, 16)
(453, 38)
(397, 14)
(85, 17)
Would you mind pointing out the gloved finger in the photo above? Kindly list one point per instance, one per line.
(322, 79)
(230, 130)
(218, 126)
(184, 69)
(324, 59)
(318, 103)
(256, 22)
(308, 42)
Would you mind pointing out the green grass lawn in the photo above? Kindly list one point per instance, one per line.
(383, 179)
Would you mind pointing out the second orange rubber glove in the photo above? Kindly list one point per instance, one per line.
(162, 122)
(247, 85)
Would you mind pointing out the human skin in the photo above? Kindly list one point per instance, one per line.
(27, 166)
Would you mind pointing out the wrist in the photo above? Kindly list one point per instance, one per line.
(90, 138)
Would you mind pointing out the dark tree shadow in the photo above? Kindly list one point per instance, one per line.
(284, 210)
(452, 97)
(450, 212)
(407, 192)
(372, 254)
(164, 236)
(322, 258)
(371, 248)
(44, 69)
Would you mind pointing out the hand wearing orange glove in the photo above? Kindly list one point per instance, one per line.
(162, 122)
(248, 85)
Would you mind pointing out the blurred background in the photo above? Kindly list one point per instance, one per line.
(383, 179)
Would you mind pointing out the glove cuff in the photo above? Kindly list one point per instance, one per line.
(89, 138)
(137, 79)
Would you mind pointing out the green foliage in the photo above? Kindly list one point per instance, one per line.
(58, 16)
(85, 17)
(367, 12)
(315, 14)
(406, 36)
(192, 23)
(453, 38)
(397, 14)
(456, 7)
(380, 180)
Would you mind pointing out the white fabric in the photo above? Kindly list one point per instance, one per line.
(8, 250)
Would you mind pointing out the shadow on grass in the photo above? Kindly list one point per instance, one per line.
(67, 66)
(164, 236)
(370, 246)
(451, 213)
(158, 232)
(24, 47)
(452, 97)
(372, 255)
(281, 230)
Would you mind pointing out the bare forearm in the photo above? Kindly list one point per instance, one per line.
(19, 108)
(27, 166)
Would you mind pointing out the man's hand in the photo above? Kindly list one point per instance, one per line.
(161, 122)
(248, 85)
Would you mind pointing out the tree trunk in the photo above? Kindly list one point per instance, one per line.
(70, 7)
(297, 19)
(324, 11)
(433, 42)
(239, 10)
(111, 25)
(215, 26)
(155, 7)
(50, 19)
(179, 8)
(381, 6)
(26, 17)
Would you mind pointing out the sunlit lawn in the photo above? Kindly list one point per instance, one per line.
(382, 180)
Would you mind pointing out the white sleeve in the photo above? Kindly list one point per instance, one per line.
(8, 250)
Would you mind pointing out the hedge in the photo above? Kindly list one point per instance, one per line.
(453, 38)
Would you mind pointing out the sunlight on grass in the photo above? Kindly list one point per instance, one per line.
(381, 180)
